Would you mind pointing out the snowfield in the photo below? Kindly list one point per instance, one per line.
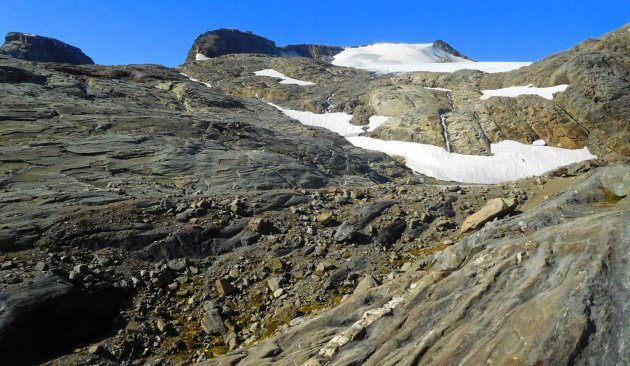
(515, 91)
(376, 121)
(510, 160)
(284, 79)
(336, 121)
(384, 58)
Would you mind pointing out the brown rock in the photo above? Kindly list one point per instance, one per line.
(324, 218)
(496, 207)
(224, 287)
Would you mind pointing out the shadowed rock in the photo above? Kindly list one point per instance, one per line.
(49, 316)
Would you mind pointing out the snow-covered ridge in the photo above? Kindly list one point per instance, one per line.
(510, 160)
(284, 79)
(404, 57)
(515, 91)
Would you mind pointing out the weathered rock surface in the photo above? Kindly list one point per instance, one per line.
(549, 292)
(37, 48)
(84, 136)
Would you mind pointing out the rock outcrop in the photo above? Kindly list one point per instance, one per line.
(222, 41)
(544, 287)
(37, 48)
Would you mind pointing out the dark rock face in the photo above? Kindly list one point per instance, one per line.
(37, 48)
(232, 41)
(317, 52)
(227, 41)
(49, 316)
(449, 49)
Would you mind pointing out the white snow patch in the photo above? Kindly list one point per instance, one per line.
(403, 57)
(376, 121)
(515, 91)
(195, 80)
(337, 122)
(539, 143)
(285, 79)
(201, 57)
(510, 160)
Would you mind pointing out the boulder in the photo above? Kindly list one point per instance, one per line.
(212, 323)
(496, 207)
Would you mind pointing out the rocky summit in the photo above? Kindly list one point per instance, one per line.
(37, 48)
(206, 215)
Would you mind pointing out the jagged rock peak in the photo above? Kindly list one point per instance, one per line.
(37, 48)
(223, 41)
(449, 49)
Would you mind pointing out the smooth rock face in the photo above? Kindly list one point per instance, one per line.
(495, 208)
(37, 48)
(548, 293)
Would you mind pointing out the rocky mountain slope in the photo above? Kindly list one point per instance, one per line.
(590, 112)
(37, 48)
(166, 216)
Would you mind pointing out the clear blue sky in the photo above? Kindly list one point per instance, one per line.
(155, 31)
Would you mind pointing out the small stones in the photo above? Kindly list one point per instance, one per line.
(224, 287)
(366, 283)
(324, 218)
(275, 264)
(323, 267)
(81, 269)
(161, 325)
(279, 292)
(212, 323)
(178, 265)
(260, 225)
(234, 273)
(186, 215)
(95, 349)
(274, 284)
(41, 267)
